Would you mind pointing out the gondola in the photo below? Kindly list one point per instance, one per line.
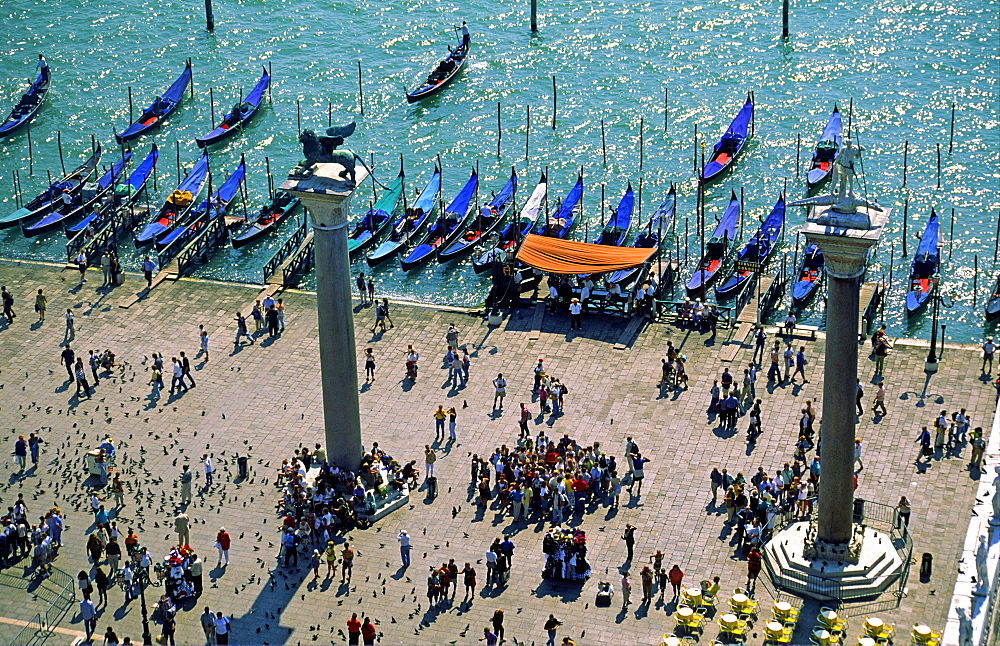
(51, 198)
(716, 250)
(559, 225)
(731, 144)
(161, 108)
(993, 304)
(512, 234)
(446, 228)
(809, 277)
(650, 237)
(123, 196)
(374, 222)
(443, 74)
(83, 203)
(240, 115)
(213, 206)
(826, 151)
(409, 224)
(489, 219)
(925, 266)
(177, 205)
(758, 249)
(616, 230)
(270, 216)
(30, 102)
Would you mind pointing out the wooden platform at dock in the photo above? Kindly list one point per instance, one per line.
(749, 312)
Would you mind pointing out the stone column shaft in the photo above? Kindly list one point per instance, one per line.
(327, 199)
(836, 485)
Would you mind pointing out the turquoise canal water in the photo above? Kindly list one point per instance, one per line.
(904, 63)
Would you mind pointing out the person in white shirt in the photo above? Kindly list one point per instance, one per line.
(575, 309)
(207, 461)
(789, 322)
(988, 349)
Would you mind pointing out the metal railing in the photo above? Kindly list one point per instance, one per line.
(199, 246)
(300, 261)
(666, 308)
(122, 218)
(29, 633)
(878, 516)
(286, 249)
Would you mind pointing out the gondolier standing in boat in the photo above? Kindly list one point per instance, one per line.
(465, 33)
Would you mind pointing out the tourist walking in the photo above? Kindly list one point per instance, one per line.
(362, 287)
(879, 401)
(208, 625)
(222, 629)
(8, 304)
(148, 267)
(369, 365)
(550, 627)
(404, 547)
(69, 360)
(241, 330)
(70, 332)
(629, 537)
(181, 524)
(676, 577)
(430, 457)
(859, 396)
(371, 289)
(989, 348)
(186, 369)
(499, 391)
(379, 318)
(185, 478)
(452, 424)
(223, 542)
(753, 566)
(81, 379)
(354, 630)
(800, 365)
(271, 317)
(626, 589)
(89, 615)
(903, 510)
(924, 438)
(385, 312)
(41, 302)
(857, 453)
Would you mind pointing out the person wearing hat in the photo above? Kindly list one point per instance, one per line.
(404, 547)
(575, 309)
(988, 349)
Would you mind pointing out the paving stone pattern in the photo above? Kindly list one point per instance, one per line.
(264, 400)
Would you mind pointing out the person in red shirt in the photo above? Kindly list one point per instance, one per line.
(753, 566)
(676, 575)
(223, 542)
(368, 632)
(353, 629)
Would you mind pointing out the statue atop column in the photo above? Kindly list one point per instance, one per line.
(323, 149)
(842, 200)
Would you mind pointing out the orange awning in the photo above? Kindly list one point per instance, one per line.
(557, 256)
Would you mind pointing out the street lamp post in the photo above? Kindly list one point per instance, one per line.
(932, 358)
(147, 639)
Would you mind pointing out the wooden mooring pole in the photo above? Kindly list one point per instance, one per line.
(209, 16)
